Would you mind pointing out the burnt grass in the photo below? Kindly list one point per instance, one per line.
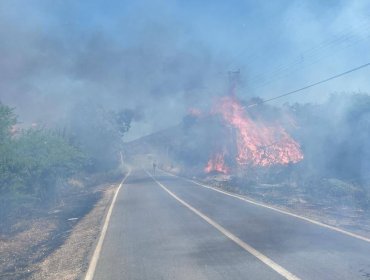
(35, 229)
(331, 201)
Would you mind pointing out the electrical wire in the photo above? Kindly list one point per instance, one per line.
(311, 85)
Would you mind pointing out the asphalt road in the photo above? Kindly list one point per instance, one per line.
(169, 228)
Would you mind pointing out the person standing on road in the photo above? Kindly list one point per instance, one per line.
(154, 167)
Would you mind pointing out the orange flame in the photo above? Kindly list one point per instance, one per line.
(195, 112)
(258, 144)
(217, 163)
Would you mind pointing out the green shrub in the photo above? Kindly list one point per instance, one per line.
(32, 161)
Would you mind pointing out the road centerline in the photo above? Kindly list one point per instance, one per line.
(266, 260)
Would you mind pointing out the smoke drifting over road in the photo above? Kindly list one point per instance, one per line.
(188, 87)
(164, 56)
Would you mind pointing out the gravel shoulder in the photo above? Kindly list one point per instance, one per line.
(70, 261)
(54, 242)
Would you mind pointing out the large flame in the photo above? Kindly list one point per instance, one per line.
(258, 144)
(217, 163)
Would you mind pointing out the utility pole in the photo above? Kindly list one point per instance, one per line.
(234, 80)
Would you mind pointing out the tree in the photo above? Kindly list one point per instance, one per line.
(7, 121)
(44, 158)
(99, 132)
(7, 165)
(122, 120)
(32, 161)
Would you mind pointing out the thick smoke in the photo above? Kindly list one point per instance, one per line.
(54, 64)
(164, 56)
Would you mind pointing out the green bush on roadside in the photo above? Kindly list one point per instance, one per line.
(32, 161)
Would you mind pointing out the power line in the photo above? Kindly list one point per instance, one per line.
(345, 39)
(311, 85)
(302, 61)
(342, 36)
(283, 72)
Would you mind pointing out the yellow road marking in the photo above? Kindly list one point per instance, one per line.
(279, 269)
(354, 235)
(94, 260)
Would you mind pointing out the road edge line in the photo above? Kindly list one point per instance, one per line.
(94, 259)
(243, 198)
(257, 254)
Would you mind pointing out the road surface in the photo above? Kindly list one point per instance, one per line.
(169, 228)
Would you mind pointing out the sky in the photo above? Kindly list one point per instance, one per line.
(163, 57)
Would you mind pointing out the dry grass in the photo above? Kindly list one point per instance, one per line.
(70, 261)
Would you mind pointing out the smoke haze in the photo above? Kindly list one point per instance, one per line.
(162, 57)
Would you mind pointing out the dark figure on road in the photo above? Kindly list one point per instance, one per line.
(154, 167)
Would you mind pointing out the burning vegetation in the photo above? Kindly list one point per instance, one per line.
(253, 142)
(311, 153)
(217, 163)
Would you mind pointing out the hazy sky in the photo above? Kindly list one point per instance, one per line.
(162, 57)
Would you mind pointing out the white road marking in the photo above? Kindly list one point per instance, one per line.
(273, 265)
(354, 235)
(94, 260)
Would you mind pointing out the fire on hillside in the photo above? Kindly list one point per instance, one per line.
(254, 142)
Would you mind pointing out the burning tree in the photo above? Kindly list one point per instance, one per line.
(257, 142)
